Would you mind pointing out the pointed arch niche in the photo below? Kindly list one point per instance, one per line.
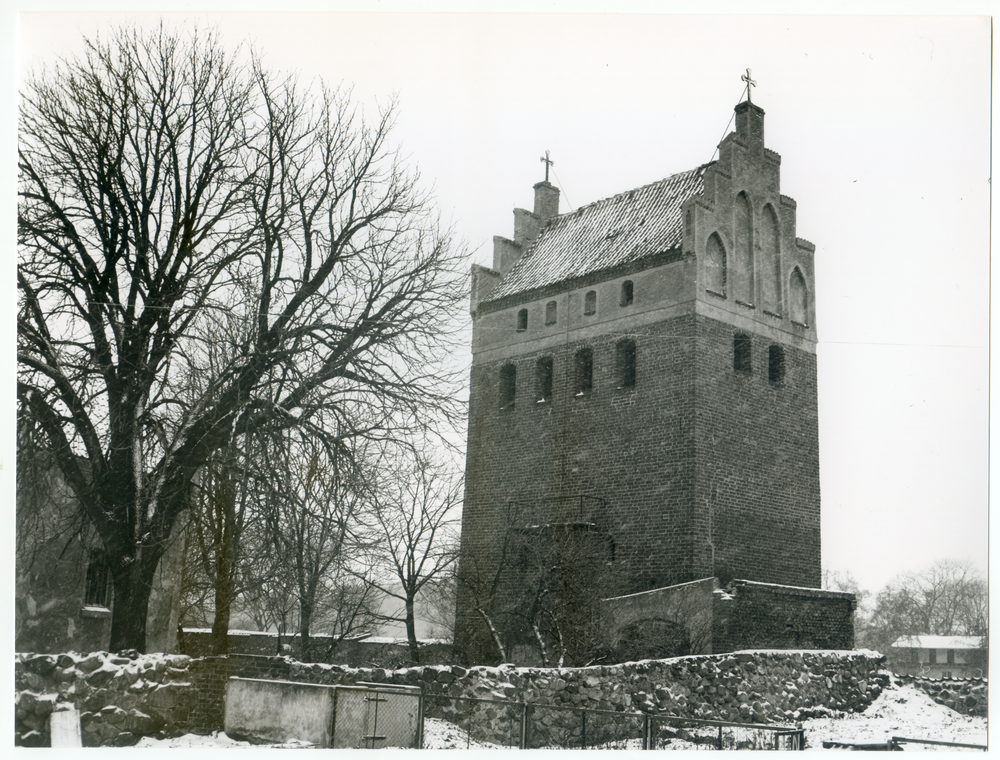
(798, 298)
(770, 285)
(743, 250)
(715, 266)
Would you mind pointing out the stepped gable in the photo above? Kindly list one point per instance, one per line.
(605, 234)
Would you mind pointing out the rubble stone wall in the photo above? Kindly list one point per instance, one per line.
(969, 696)
(122, 699)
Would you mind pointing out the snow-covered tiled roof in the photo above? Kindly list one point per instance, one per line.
(939, 642)
(607, 233)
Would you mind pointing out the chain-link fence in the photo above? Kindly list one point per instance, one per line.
(465, 722)
(469, 722)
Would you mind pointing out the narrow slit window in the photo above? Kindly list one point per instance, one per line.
(551, 311)
(741, 353)
(625, 351)
(98, 591)
(522, 320)
(590, 303)
(508, 385)
(584, 371)
(543, 379)
(775, 364)
(628, 293)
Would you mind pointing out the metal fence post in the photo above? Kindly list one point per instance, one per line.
(524, 726)
(583, 729)
(420, 719)
(646, 732)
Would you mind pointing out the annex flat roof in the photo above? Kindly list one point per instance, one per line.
(938, 642)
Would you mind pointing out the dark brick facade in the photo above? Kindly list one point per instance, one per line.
(709, 464)
(757, 615)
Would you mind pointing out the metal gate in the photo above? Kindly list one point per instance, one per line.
(373, 716)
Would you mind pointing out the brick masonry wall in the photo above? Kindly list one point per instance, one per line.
(705, 471)
(632, 447)
(758, 461)
(376, 653)
(121, 699)
(753, 615)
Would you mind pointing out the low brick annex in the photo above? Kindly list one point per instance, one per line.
(644, 401)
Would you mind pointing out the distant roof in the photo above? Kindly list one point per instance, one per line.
(938, 642)
(604, 234)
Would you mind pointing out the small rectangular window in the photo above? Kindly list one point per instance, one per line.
(98, 590)
(508, 385)
(522, 320)
(775, 364)
(590, 303)
(741, 353)
(625, 351)
(543, 379)
(584, 371)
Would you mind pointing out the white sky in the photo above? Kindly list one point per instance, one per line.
(883, 125)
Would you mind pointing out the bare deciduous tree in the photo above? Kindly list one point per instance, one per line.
(163, 182)
(948, 598)
(314, 519)
(414, 513)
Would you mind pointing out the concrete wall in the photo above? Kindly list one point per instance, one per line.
(279, 711)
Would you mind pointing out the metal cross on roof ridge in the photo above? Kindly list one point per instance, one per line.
(750, 83)
(548, 162)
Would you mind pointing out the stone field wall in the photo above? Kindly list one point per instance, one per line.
(968, 696)
(121, 699)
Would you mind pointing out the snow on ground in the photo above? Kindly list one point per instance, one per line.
(440, 734)
(902, 711)
(215, 739)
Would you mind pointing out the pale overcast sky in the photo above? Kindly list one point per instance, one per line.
(883, 126)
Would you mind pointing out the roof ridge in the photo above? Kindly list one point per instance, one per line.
(687, 172)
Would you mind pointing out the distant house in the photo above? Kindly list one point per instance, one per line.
(939, 656)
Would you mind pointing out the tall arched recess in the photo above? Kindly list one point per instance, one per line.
(715, 265)
(770, 266)
(743, 250)
(798, 298)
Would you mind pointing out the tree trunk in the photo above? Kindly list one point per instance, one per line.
(494, 634)
(305, 618)
(225, 561)
(223, 608)
(132, 581)
(411, 630)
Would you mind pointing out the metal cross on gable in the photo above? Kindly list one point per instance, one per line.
(548, 162)
(750, 83)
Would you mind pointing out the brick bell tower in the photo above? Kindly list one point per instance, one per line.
(644, 368)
